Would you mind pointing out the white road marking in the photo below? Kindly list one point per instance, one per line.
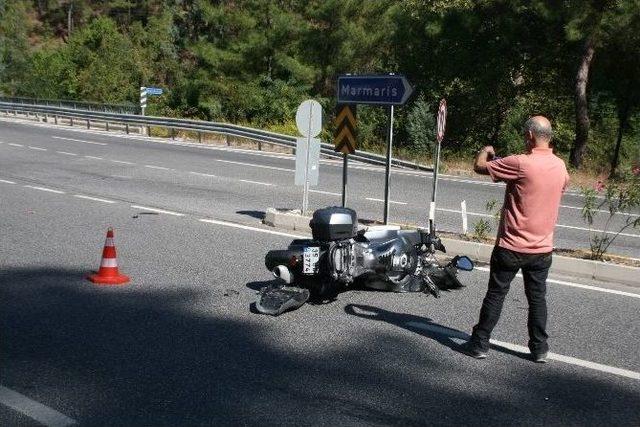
(156, 167)
(94, 157)
(34, 410)
(557, 225)
(80, 196)
(66, 153)
(325, 192)
(595, 210)
(459, 212)
(15, 145)
(50, 190)
(246, 227)
(390, 201)
(1, 142)
(256, 182)
(597, 231)
(37, 148)
(7, 182)
(203, 174)
(578, 285)
(124, 162)
(157, 210)
(254, 165)
(460, 337)
(80, 140)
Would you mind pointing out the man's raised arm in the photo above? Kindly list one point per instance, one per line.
(483, 156)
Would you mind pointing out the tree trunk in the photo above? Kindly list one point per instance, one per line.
(582, 107)
(623, 117)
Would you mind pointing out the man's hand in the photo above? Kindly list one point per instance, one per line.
(484, 155)
(491, 152)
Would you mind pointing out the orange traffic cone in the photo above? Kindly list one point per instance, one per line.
(108, 273)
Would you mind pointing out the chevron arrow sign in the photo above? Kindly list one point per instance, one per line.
(345, 135)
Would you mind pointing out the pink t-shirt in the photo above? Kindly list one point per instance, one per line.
(535, 183)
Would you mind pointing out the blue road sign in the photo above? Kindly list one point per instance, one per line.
(379, 89)
(154, 91)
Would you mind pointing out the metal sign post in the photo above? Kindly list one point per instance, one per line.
(387, 174)
(309, 123)
(345, 163)
(345, 140)
(379, 89)
(440, 128)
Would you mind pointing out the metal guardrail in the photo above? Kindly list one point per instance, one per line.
(127, 108)
(200, 126)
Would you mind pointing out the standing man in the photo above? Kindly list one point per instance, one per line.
(535, 183)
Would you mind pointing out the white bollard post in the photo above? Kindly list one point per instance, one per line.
(463, 210)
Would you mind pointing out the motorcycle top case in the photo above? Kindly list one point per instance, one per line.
(334, 223)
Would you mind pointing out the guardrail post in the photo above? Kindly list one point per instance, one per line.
(173, 133)
(88, 124)
(126, 128)
(199, 137)
(71, 121)
(259, 145)
(55, 119)
(226, 140)
(107, 126)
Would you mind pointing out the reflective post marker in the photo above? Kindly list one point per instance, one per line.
(388, 168)
(463, 210)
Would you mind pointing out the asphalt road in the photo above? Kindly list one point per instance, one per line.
(235, 184)
(179, 345)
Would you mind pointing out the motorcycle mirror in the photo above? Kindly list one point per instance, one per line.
(464, 263)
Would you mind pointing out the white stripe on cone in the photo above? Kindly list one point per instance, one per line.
(109, 262)
(109, 242)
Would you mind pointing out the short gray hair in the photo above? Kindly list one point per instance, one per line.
(538, 129)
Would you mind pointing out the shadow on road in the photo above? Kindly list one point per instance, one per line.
(426, 327)
(254, 214)
(130, 356)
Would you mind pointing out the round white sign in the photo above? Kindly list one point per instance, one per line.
(442, 119)
(309, 118)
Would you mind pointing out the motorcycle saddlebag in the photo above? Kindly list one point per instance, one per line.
(334, 223)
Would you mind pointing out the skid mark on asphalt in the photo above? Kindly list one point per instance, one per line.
(34, 410)
(7, 182)
(460, 337)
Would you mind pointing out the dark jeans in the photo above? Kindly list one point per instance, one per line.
(504, 266)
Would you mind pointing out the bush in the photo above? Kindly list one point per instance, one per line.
(421, 126)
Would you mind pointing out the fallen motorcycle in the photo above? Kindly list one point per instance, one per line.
(339, 257)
